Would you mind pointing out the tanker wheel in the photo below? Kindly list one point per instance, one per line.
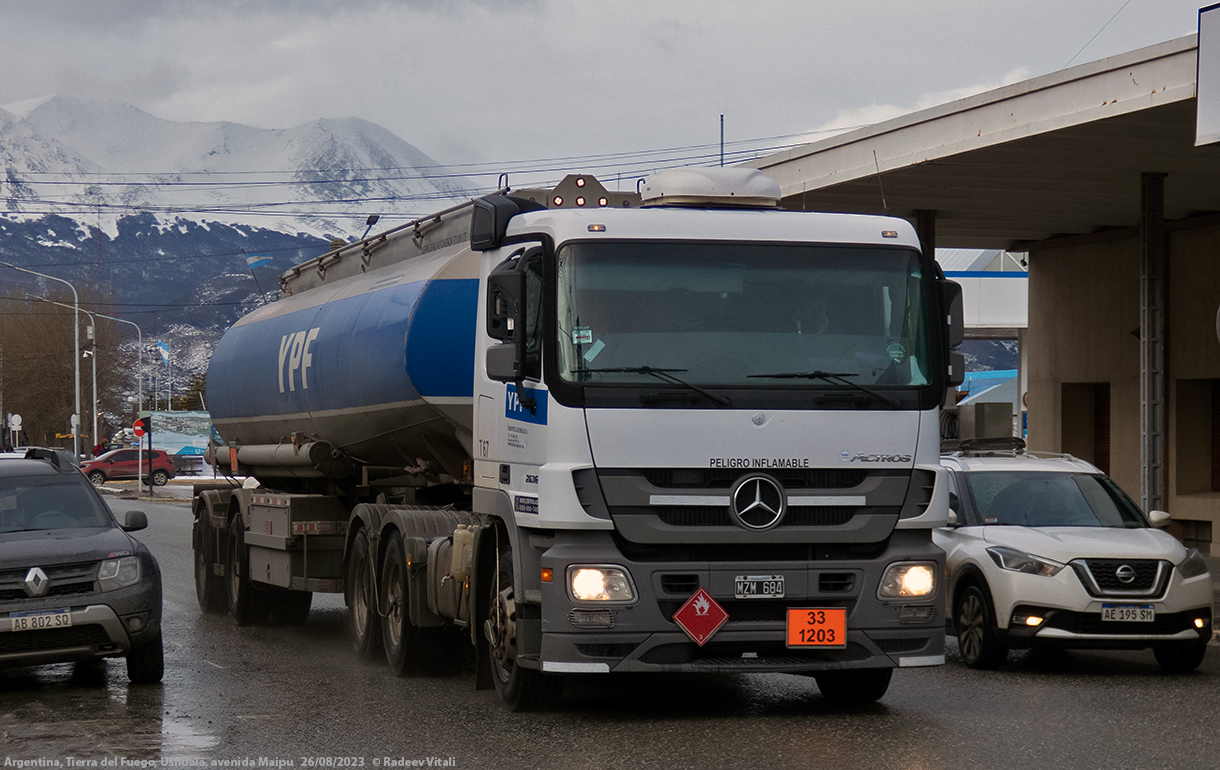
(408, 648)
(245, 604)
(519, 688)
(209, 587)
(363, 620)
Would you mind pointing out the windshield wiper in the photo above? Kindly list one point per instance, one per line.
(839, 377)
(663, 375)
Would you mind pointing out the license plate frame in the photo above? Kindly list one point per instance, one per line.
(1128, 613)
(820, 627)
(758, 587)
(37, 620)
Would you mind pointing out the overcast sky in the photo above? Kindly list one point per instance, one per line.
(499, 81)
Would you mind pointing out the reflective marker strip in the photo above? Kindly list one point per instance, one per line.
(922, 660)
(826, 500)
(575, 668)
(709, 500)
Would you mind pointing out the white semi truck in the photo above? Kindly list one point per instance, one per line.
(592, 432)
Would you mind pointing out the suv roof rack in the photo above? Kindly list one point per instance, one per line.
(1009, 445)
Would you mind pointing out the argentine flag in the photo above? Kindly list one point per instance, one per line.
(163, 349)
(258, 260)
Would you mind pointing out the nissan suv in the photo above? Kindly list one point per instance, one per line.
(1047, 551)
(74, 584)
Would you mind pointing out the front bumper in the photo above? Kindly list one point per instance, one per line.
(643, 637)
(1066, 629)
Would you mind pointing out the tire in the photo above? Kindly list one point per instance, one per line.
(408, 648)
(209, 587)
(291, 608)
(97, 478)
(520, 689)
(1180, 657)
(363, 618)
(160, 478)
(246, 606)
(854, 687)
(974, 620)
(146, 663)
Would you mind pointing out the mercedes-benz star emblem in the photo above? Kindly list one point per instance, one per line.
(36, 582)
(1125, 573)
(757, 502)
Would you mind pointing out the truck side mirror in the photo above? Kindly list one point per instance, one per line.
(505, 300)
(951, 304)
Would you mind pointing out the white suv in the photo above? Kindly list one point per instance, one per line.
(1047, 551)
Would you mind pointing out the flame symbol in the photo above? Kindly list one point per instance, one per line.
(702, 605)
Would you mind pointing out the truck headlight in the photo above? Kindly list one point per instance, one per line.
(908, 580)
(1020, 561)
(119, 573)
(597, 583)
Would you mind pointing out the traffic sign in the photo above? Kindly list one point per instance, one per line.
(139, 428)
(700, 617)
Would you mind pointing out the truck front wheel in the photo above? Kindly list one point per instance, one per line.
(209, 588)
(363, 619)
(520, 689)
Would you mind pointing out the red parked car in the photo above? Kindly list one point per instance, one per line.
(121, 464)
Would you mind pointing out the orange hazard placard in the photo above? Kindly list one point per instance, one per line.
(817, 627)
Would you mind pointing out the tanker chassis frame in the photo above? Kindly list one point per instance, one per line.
(563, 526)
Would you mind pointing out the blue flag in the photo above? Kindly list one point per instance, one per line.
(258, 260)
(163, 349)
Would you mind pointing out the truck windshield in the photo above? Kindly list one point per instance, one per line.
(742, 315)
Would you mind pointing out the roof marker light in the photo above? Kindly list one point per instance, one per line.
(597, 228)
(889, 233)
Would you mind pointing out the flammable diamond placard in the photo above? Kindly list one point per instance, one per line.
(700, 617)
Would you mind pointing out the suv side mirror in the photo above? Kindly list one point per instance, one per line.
(133, 521)
(1158, 519)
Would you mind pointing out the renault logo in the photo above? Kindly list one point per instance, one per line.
(1125, 573)
(757, 502)
(36, 582)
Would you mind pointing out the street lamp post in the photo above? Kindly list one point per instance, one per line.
(76, 346)
(92, 355)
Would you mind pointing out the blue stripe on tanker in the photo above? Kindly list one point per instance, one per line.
(396, 344)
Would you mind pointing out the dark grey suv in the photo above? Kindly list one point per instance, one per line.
(74, 585)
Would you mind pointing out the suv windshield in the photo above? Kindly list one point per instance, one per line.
(742, 315)
(62, 501)
(1032, 499)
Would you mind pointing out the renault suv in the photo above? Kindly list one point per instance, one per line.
(74, 584)
(1049, 552)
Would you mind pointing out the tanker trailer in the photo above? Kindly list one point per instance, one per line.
(591, 432)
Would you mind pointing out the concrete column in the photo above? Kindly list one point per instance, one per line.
(1152, 341)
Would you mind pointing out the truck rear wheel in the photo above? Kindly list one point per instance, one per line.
(245, 604)
(363, 618)
(408, 648)
(520, 689)
(209, 587)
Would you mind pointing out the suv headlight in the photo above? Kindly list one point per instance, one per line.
(597, 583)
(1020, 561)
(908, 580)
(119, 573)
(1193, 565)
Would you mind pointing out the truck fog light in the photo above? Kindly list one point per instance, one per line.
(596, 583)
(591, 618)
(908, 580)
(917, 612)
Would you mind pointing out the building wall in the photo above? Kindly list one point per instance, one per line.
(1084, 318)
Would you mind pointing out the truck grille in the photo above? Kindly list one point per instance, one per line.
(703, 516)
(717, 478)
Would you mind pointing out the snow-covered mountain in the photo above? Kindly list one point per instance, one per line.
(109, 159)
(152, 218)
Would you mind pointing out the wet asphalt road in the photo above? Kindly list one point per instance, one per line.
(291, 694)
